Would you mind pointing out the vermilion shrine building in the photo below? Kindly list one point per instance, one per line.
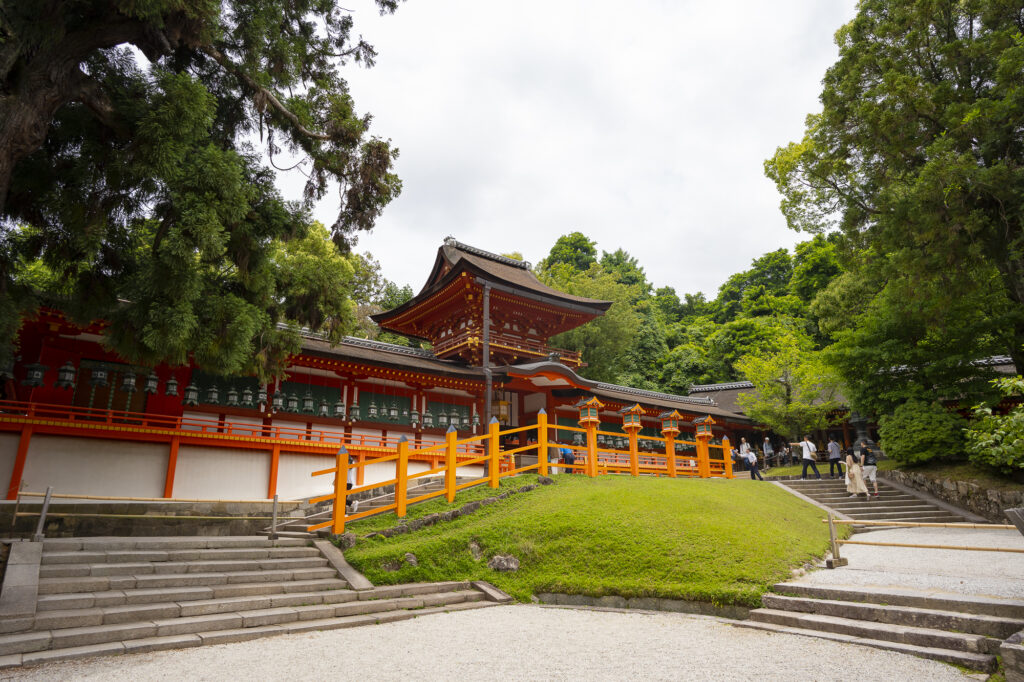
(77, 417)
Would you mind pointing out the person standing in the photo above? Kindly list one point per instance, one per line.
(769, 451)
(568, 458)
(752, 461)
(810, 451)
(855, 477)
(834, 457)
(869, 466)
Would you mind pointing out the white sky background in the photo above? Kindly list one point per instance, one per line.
(643, 124)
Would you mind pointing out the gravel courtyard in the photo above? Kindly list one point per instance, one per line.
(516, 643)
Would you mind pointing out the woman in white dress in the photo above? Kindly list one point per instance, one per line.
(855, 476)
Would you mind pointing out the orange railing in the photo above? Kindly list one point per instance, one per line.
(591, 460)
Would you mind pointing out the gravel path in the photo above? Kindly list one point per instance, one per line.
(983, 574)
(516, 643)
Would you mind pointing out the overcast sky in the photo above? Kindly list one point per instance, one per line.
(642, 124)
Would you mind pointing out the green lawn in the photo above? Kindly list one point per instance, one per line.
(718, 541)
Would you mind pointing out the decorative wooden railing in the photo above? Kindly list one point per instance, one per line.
(591, 460)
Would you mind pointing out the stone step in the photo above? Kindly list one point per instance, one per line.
(145, 580)
(901, 516)
(878, 508)
(91, 635)
(975, 624)
(974, 661)
(84, 600)
(1002, 608)
(882, 496)
(111, 544)
(203, 638)
(135, 556)
(881, 502)
(178, 567)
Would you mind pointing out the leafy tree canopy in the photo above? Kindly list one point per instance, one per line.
(132, 143)
(573, 249)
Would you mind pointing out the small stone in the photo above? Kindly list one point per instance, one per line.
(489, 500)
(416, 524)
(475, 550)
(392, 565)
(346, 540)
(447, 516)
(431, 519)
(544, 480)
(503, 563)
(410, 559)
(470, 507)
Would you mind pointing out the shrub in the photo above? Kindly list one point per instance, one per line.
(919, 432)
(998, 441)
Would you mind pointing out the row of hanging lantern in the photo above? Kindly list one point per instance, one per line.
(99, 377)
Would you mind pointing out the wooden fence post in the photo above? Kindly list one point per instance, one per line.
(494, 450)
(449, 463)
(340, 478)
(727, 457)
(670, 454)
(591, 449)
(634, 454)
(402, 484)
(703, 458)
(542, 442)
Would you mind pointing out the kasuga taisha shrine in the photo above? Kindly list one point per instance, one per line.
(77, 417)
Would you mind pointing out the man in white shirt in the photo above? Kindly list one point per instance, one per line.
(810, 451)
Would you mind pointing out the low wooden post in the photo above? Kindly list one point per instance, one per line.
(670, 454)
(449, 463)
(836, 561)
(542, 442)
(727, 457)
(402, 482)
(591, 468)
(494, 451)
(339, 492)
(634, 454)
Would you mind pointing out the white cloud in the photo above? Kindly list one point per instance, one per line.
(644, 125)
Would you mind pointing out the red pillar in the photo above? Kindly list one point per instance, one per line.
(19, 462)
(172, 464)
(275, 459)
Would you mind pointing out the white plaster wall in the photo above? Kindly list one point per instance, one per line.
(336, 432)
(8, 452)
(374, 435)
(90, 466)
(534, 402)
(239, 428)
(294, 481)
(222, 473)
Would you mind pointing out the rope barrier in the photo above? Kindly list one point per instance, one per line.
(906, 544)
(912, 524)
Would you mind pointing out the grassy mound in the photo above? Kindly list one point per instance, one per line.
(718, 541)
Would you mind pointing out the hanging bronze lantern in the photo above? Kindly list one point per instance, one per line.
(152, 383)
(278, 400)
(442, 418)
(191, 395)
(34, 375)
(128, 382)
(371, 413)
(428, 419)
(293, 402)
(465, 420)
(307, 402)
(476, 420)
(414, 418)
(354, 413)
(324, 409)
(171, 387)
(339, 409)
(393, 411)
(232, 397)
(66, 376)
(247, 397)
(213, 395)
(261, 396)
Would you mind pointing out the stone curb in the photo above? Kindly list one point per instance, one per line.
(20, 589)
(491, 592)
(646, 604)
(356, 580)
(932, 499)
(797, 493)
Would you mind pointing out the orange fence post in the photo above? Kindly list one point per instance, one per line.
(402, 484)
(591, 450)
(172, 465)
(340, 479)
(19, 461)
(670, 454)
(634, 455)
(449, 463)
(727, 457)
(703, 457)
(542, 442)
(493, 450)
(275, 460)
(361, 471)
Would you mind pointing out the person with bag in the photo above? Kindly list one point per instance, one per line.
(855, 483)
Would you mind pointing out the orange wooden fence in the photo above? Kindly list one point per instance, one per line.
(591, 460)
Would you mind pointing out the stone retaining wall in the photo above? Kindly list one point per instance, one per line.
(646, 604)
(970, 496)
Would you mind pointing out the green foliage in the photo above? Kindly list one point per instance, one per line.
(573, 249)
(139, 186)
(917, 156)
(727, 544)
(997, 441)
(794, 390)
(815, 265)
(626, 270)
(920, 431)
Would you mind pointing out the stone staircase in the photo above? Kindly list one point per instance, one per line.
(100, 596)
(892, 504)
(965, 631)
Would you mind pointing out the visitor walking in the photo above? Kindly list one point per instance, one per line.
(869, 466)
(351, 505)
(810, 451)
(834, 457)
(769, 451)
(752, 461)
(854, 475)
